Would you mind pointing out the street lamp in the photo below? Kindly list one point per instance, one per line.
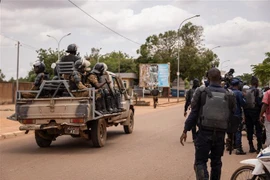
(222, 64)
(178, 57)
(58, 43)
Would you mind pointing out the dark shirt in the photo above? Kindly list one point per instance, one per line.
(70, 58)
(196, 102)
(240, 102)
(155, 92)
(189, 96)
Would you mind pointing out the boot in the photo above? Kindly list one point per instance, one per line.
(228, 144)
(239, 151)
(259, 147)
(251, 148)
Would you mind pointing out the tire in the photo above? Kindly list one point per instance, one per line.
(99, 132)
(247, 172)
(129, 128)
(42, 138)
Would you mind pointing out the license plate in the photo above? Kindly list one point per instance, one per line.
(72, 130)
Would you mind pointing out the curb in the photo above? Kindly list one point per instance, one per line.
(11, 135)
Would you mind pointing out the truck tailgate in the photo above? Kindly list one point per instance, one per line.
(53, 108)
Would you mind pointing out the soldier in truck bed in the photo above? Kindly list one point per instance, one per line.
(39, 69)
(76, 80)
(94, 79)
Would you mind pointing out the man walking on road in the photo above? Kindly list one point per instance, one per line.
(212, 107)
(189, 95)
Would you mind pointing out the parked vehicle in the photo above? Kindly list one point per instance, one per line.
(64, 114)
(258, 168)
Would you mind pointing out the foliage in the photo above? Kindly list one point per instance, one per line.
(262, 70)
(119, 62)
(2, 76)
(48, 57)
(94, 56)
(194, 60)
(246, 78)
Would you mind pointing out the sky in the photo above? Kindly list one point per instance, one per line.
(240, 28)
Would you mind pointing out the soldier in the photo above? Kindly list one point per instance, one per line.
(39, 69)
(190, 92)
(207, 105)
(252, 114)
(94, 79)
(76, 80)
(71, 57)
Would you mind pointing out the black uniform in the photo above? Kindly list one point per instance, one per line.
(209, 143)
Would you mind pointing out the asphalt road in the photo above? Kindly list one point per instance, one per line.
(152, 152)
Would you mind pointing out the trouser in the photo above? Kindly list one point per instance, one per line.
(81, 94)
(238, 136)
(267, 128)
(205, 144)
(155, 99)
(252, 119)
(28, 95)
(194, 133)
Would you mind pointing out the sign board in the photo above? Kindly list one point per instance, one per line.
(154, 75)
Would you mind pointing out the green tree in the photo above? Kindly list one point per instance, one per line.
(194, 60)
(2, 76)
(246, 77)
(94, 56)
(262, 70)
(48, 56)
(119, 62)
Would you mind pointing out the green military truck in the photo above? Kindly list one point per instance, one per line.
(56, 115)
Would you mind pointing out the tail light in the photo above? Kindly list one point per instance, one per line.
(29, 121)
(79, 121)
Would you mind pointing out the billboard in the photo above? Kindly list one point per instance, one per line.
(154, 75)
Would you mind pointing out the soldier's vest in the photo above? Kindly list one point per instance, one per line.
(215, 113)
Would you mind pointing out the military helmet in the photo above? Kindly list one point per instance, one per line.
(79, 66)
(39, 66)
(236, 81)
(71, 48)
(86, 64)
(99, 68)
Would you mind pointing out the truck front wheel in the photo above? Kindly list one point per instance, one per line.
(42, 138)
(99, 132)
(129, 128)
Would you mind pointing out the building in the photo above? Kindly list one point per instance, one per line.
(129, 79)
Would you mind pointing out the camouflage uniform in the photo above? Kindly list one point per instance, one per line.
(75, 83)
(38, 81)
(93, 80)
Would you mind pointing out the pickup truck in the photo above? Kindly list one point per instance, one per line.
(55, 112)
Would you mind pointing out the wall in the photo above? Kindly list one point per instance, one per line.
(7, 91)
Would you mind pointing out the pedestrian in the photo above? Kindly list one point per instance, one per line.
(155, 93)
(252, 114)
(266, 110)
(236, 84)
(189, 95)
(211, 108)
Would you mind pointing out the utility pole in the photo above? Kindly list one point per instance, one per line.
(18, 57)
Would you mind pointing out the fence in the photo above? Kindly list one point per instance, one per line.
(8, 90)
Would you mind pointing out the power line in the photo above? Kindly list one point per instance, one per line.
(24, 44)
(104, 24)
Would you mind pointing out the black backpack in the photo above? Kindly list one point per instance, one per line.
(215, 112)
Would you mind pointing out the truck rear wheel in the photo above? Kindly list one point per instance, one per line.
(99, 132)
(42, 139)
(129, 128)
